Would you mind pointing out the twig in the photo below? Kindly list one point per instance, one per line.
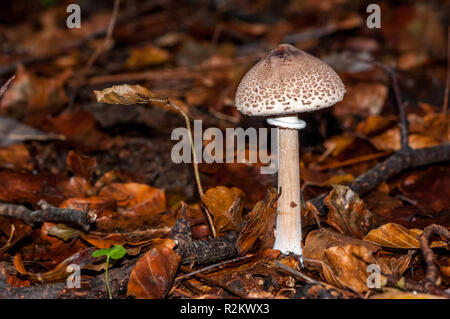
(108, 38)
(424, 239)
(202, 251)
(351, 161)
(403, 283)
(403, 124)
(220, 284)
(447, 83)
(5, 86)
(99, 50)
(298, 274)
(207, 269)
(48, 212)
(396, 163)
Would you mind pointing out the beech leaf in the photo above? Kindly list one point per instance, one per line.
(124, 94)
(396, 236)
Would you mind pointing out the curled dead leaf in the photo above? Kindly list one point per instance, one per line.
(124, 94)
(343, 260)
(396, 236)
(348, 213)
(225, 204)
(258, 230)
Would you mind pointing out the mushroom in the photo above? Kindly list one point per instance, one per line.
(288, 81)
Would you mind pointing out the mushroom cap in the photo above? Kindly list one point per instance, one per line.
(288, 81)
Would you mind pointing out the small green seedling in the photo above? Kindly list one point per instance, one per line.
(116, 252)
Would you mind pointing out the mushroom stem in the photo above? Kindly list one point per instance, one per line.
(288, 235)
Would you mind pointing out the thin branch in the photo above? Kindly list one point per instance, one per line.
(403, 124)
(108, 38)
(5, 86)
(83, 218)
(298, 274)
(207, 269)
(107, 43)
(395, 164)
(424, 239)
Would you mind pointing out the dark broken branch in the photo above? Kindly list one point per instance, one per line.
(424, 239)
(395, 164)
(48, 212)
(202, 251)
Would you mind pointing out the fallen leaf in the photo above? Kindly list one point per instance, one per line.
(343, 260)
(146, 56)
(398, 294)
(124, 94)
(15, 157)
(395, 236)
(82, 259)
(257, 232)
(79, 127)
(363, 99)
(347, 212)
(225, 204)
(81, 165)
(32, 98)
(13, 132)
(390, 140)
(154, 273)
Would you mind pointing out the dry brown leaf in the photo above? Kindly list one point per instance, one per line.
(124, 94)
(258, 230)
(83, 259)
(146, 56)
(343, 260)
(15, 157)
(348, 213)
(396, 236)
(33, 97)
(390, 140)
(154, 273)
(225, 204)
(363, 98)
(375, 124)
(81, 165)
(398, 294)
(395, 265)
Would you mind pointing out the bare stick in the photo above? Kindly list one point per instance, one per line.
(207, 269)
(5, 86)
(108, 37)
(48, 212)
(297, 273)
(424, 239)
(106, 44)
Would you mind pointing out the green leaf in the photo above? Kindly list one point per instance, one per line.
(101, 252)
(117, 252)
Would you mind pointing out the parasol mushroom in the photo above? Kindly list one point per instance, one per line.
(286, 82)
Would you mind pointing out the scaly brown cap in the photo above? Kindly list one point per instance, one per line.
(288, 81)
